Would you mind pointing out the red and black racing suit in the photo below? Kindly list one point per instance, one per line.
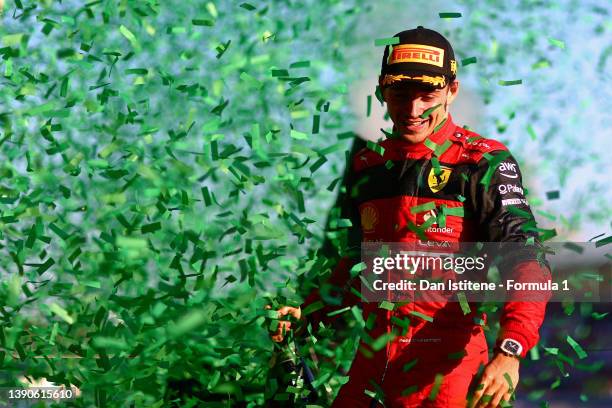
(379, 198)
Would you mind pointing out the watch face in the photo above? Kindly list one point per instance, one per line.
(512, 347)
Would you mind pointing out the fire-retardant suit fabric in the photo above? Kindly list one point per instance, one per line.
(433, 361)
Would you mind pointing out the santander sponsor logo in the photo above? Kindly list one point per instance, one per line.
(434, 227)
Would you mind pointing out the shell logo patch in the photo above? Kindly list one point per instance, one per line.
(437, 182)
(424, 54)
(369, 218)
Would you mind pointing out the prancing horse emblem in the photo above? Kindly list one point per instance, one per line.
(438, 181)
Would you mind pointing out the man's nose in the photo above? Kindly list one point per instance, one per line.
(414, 107)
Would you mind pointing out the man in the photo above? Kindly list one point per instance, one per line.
(433, 361)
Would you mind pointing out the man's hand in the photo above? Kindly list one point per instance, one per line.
(499, 380)
(284, 325)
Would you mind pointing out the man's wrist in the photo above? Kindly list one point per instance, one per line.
(499, 352)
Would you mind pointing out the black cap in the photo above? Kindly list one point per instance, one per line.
(423, 56)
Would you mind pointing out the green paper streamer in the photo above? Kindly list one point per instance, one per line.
(449, 15)
(436, 386)
(510, 83)
(386, 41)
(465, 307)
(421, 315)
(577, 348)
(423, 207)
(468, 61)
(429, 111)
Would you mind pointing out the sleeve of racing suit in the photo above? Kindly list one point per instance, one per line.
(341, 248)
(504, 216)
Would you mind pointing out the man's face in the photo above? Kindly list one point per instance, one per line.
(407, 101)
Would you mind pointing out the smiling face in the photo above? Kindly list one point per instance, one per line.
(407, 101)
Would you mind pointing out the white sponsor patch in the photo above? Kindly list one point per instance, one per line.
(508, 170)
(514, 201)
(509, 188)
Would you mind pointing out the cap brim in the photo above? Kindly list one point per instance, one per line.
(430, 80)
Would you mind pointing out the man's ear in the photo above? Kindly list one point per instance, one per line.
(381, 88)
(453, 90)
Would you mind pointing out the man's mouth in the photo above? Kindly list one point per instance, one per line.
(414, 125)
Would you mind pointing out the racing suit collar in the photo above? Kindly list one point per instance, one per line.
(438, 138)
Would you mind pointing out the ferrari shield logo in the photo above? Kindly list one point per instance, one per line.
(437, 181)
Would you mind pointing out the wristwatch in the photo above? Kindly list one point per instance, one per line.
(510, 348)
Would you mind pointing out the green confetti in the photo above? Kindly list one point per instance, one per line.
(548, 215)
(298, 135)
(110, 343)
(429, 111)
(439, 151)
(430, 205)
(534, 354)
(421, 315)
(557, 43)
(187, 323)
(603, 242)
(203, 22)
(315, 124)
(129, 36)
(386, 41)
(573, 247)
(12, 40)
(410, 365)
(531, 132)
(494, 161)
(386, 305)
(541, 64)
(465, 307)
(369, 106)
(357, 268)
(61, 313)
(510, 83)
(300, 64)
(457, 355)
(410, 390)
(552, 195)
(339, 311)
(436, 386)
(439, 126)
(456, 211)
(509, 382)
(322, 160)
(346, 135)
(313, 307)
(376, 147)
(577, 348)
(449, 15)
(248, 6)
(431, 145)
(382, 341)
(250, 80)
(333, 184)
(155, 226)
(468, 61)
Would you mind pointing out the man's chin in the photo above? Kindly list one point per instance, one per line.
(414, 137)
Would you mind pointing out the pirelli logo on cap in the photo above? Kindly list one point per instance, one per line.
(425, 54)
